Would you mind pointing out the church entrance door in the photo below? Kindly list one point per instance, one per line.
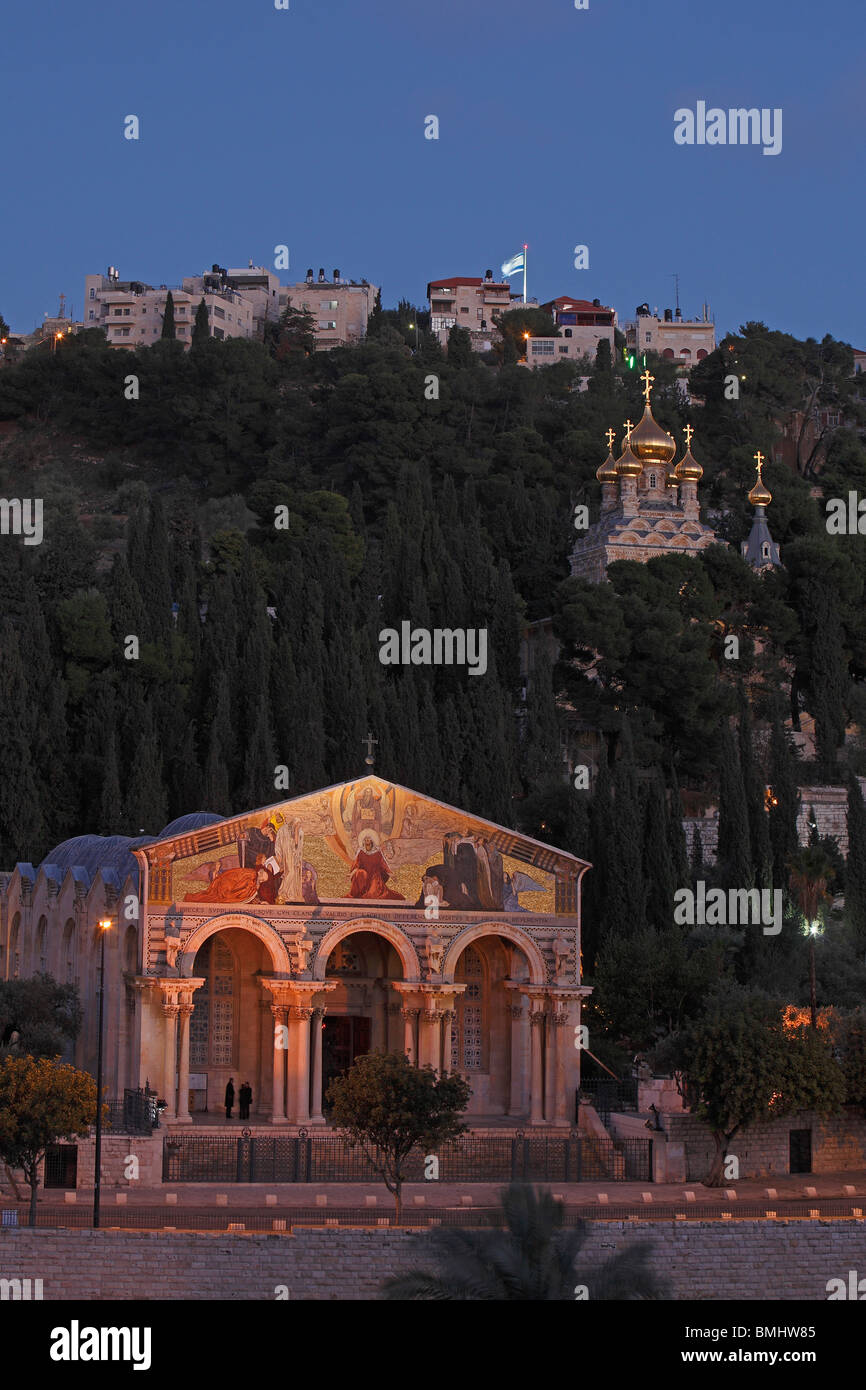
(343, 1039)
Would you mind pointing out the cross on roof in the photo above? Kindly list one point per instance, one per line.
(610, 435)
(759, 459)
(628, 427)
(688, 432)
(647, 380)
(369, 740)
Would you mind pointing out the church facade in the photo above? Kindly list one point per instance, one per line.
(275, 947)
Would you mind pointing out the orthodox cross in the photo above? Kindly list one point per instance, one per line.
(610, 435)
(628, 427)
(759, 459)
(647, 381)
(688, 432)
(369, 740)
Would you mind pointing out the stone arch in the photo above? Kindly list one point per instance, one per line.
(401, 943)
(537, 967)
(270, 939)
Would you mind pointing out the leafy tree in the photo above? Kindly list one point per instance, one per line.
(41, 1102)
(648, 985)
(745, 1067)
(536, 1258)
(43, 1013)
(201, 327)
(168, 328)
(391, 1107)
(459, 347)
(294, 337)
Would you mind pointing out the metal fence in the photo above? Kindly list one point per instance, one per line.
(326, 1158)
(608, 1095)
(136, 1113)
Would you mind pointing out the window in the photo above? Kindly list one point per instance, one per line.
(464, 311)
(649, 337)
(563, 349)
(219, 313)
(766, 550)
(118, 313)
(127, 312)
(144, 308)
(326, 304)
(542, 347)
(327, 323)
(219, 333)
(568, 333)
(652, 480)
(91, 315)
(92, 292)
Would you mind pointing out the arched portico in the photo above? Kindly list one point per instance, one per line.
(535, 960)
(398, 939)
(270, 939)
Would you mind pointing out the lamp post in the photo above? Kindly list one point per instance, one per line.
(104, 926)
(415, 326)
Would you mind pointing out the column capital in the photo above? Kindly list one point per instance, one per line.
(515, 1010)
(301, 1011)
(411, 1012)
(537, 1017)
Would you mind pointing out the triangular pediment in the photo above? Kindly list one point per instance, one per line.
(370, 839)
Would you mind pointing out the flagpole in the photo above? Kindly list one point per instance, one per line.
(525, 251)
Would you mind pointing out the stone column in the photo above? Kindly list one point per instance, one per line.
(519, 1024)
(536, 1094)
(549, 1067)
(392, 1013)
(266, 1047)
(562, 1039)
(184, 1016)
(301, 1015)
(429, 1037)
(278, 1104)
(170, 1012)
(409, 1017)
(317, 1118)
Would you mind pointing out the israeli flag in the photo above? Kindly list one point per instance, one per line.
(516, 263)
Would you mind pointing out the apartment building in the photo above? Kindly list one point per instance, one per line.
(681, 340)
(472, 303)
(131, 312)
(340, 308)
(582, 325)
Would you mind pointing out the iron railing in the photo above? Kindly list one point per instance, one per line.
(325, 1158)
(136, 1113)
(610, 1096)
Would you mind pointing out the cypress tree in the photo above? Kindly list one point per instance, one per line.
(111, 802)
(146, 804)
(168, 328)
(217, 778)
(759, 831)
(22, 826)
(658, 868)
(782, 814)
(676, 834)
(829, 680)
(855, 872)
(734, 854)
(201, 327)
(625, 901)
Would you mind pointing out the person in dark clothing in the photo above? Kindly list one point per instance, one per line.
(245, 1096)
(230, 1098)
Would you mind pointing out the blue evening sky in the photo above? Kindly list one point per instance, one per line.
(306, 127)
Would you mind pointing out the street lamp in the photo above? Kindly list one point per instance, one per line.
(104, 927)
(415, 326)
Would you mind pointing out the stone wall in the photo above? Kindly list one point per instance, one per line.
(701, 1259)
(838, 1145)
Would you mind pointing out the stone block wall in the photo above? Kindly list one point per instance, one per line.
(838, 1145)
(754, 1260)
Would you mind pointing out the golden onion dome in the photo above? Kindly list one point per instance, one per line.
(760, 495)
(627, 466)
(607, 472)
(688, 469)
(649, 442)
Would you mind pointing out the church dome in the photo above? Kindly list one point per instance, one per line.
(606, 473)
(760, 495)
(649, 442)
(627, 466)
(688, 469)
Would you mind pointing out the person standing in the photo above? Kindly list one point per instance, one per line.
(245, 1096)
(230, 1097)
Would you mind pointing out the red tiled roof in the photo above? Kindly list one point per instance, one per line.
(583, 306)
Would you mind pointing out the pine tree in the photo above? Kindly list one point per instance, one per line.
(201, 327)
(168, 328)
